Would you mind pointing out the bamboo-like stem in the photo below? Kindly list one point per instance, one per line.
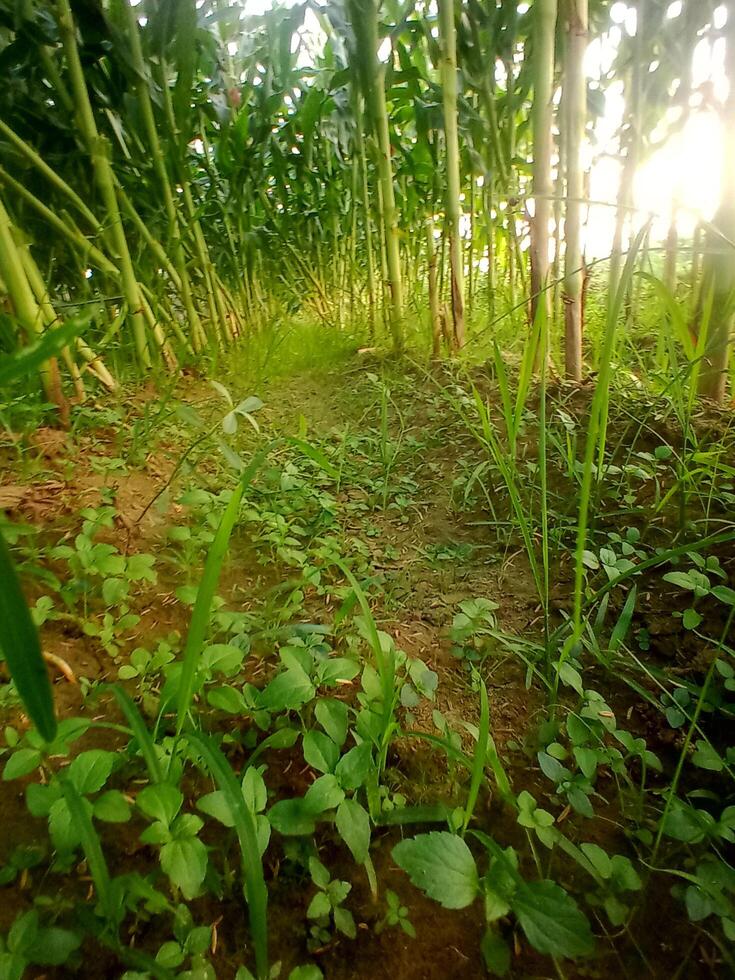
(718, 272)
(696, 268)
(159, 167)
(50, 174)
(91, 253)
(448, 67)
(48, 313)
(193, 225)
(632, 152)
(436, 327)
(543, 68)
(99, 153)
(575, 98)
(490, 234)
(28, 312)
(671, 252)
(366, 212)
(364, 15)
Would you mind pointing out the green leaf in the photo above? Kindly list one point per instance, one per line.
(319, 906)
(23, 933)
(598, 858)
(254, 790)
(552, 768)
(685, 823)
(288, 691)
(442, 866)
(114, 591)
(250, 840)
(691, 619)
(353, 825)
(215, 805)
(20, 763)
(551, 920)
(496, 953)
(160, 802)
(20, 646)
(315, 455)
(51, 343)
(112, 807)
(143, 737)
(90, 770)
(332, 716)
(571, 677)
(86, 833)
(320, 752)
(292, 817)
(185, 863)
(336, 669)
(12, 966)
(227, 699)
(344, 922)
(207, 588)
(724, 594)
(325, 793)
(707, 757)
(354, 767)
(170, 955)
(587, 760)
(308, 972)
(54, 946)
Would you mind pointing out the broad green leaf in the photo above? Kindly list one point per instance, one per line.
(90, 770)
(551, 920)
(354, 767)
(185, 863)
(320, 752)
(112, 807)
(288, 691)
(496, 953)
(353, 825)
(325, 793)
(442, 866)
(332, 716)
(54, 946)
(308, 972)
(21, 762)
(319, 906)
(292, 817)
(160, 802)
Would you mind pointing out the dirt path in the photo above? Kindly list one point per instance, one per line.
(404, 511)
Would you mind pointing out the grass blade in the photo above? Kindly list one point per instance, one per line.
(207, 588)
(315, 455)
(52, 342)
(478, 761)
(140, 732)
(92, 848)
(255, 889)
(22, 650)
(386, 664)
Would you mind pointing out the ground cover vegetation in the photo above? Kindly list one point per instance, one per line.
(366, 550)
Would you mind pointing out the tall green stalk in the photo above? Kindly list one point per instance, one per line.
(542, 114)
(364, 15)
(448, 66)
(159, 167)
(98, 150)
(575, 97)
(718, 272)
(29, 314)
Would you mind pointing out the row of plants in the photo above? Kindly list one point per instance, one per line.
(677, 821)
